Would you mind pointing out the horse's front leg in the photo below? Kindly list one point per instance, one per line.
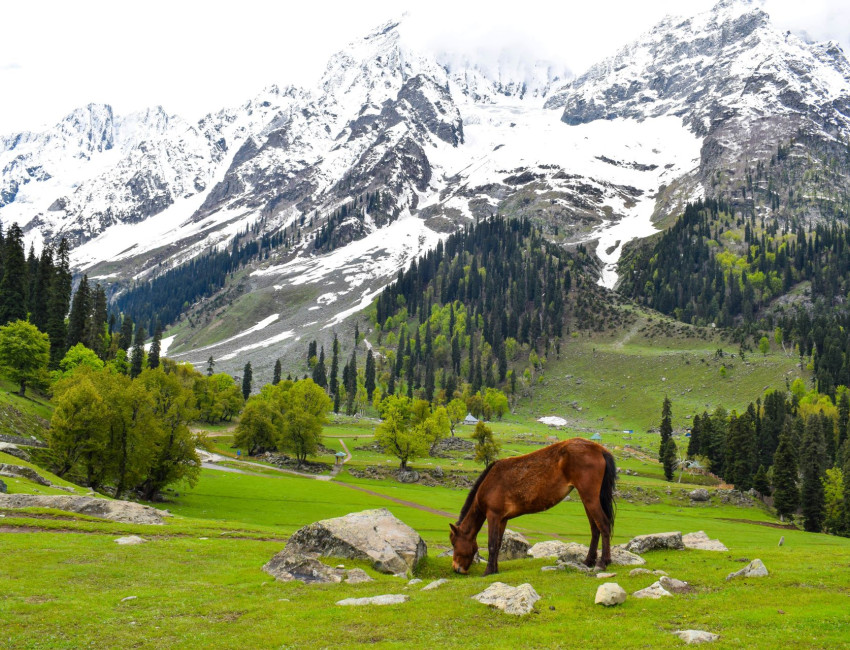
(495, 528)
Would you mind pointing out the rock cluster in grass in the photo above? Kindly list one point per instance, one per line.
(754, 569)
(19, 471)
(514, 546)
(573, 554)
(693, 637)
(655, 591)
(130, 540)
(125, 512)
(377, 536)
(511, 600)
(700, 495)
(655, 542)
(387, 599)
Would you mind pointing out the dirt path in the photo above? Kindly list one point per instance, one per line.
(628, 336)
(401, 502)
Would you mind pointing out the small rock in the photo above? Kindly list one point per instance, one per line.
(610, 594)
(754, 569)
(675, 586)
(387, 599)
(551, 568)
(602, 576)
(511, 600)
(655, 591)
(639, 571)
(289, 565)
(3, 488)
(659, 572)
(692, 637)
(130, 540)
(415, 581)
(655, 542)
(340, 566)
(782, 540)
(434, 585)
(357, 576)
(124, 600)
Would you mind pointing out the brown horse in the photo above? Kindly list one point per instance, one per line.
(531, 483)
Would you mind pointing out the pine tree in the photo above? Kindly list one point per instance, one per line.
(391, 384)
(80, 309)
(333, 384)
(137, 356)
(668, 459)
(58, 304)
(429, 379)
(694, 440)
(156, 347)
(351, 383)
(125, 338)
(276, 375)
(40, 298)
(811, 490)
(247, 380)
(32, 275)
(14, 281)
(666, 427)
(369, 377)
(846, 472)
(320, 371)
(211, 366)
(96, 337)
(760, 482)
(843, 421)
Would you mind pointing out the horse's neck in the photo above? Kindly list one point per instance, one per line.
(473, 521)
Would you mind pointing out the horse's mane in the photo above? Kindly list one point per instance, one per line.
(471, 496)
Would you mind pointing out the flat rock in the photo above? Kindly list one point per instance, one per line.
(436, 584)
(639, 571)
(130, 540)
(387, 599)
(514, 546)
(692, 637)
(655, 542)
(415, 581)
(655, 591)
(288, 566)
(701, 542)
(610, 594)
(357, 576)
(575, 553)
(548, 549)
(12, 471)
(604, 576)
(373, 535)
(623, 557)
(754, 569)
(511, 600)
(574, 566)
(675, 586)
(125, 512)
(14, 450)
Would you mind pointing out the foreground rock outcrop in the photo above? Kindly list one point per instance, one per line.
(126, 512)
(754, 569)
(20, 471)
(655, 542)
(701, 542)
(511, 600)
(377, 536)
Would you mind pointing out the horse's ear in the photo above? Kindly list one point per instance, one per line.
(453, 528)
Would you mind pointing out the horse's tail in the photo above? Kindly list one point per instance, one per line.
(606, 492)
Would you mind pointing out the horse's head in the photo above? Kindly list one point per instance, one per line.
(465, 547)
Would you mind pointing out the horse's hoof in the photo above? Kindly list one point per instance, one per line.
(589, 563)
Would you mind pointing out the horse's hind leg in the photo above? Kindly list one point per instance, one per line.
(590, 560)
(599, 525)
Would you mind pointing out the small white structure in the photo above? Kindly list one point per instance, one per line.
(470, 419)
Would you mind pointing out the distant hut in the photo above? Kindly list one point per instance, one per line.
(470, 419)
(596, 436)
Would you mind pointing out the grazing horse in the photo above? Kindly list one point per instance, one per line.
(531, 483)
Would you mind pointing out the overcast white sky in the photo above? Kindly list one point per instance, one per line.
(194, 57)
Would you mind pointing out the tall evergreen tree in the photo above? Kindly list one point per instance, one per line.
(276, 374)
(666, 428)
(811, 491)
(59, 303)
(79, 318)
(351, 383)
(125, 338)
(760, 482)
(40, 297)
(156, 347)
(694, 440)
(668, 458)
(32, 276)
(211, 366)
(14, 282)
(333, 383)
(137, 356)
(96, 334)
(247, 380)
(369, 376)
(320, 371)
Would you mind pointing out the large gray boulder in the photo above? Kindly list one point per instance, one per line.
(14, 450)
(511, 600)
(693, 637)
(12, 471)
(700, 495)
(655, 542)
(376, 536)
(754, 569)
(126, 512)
(514, 546)
(654, 591)
(675, 586)
(549, 549)
(574, 553)
(701, 542)
(288, 566)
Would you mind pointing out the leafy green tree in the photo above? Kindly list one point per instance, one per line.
(486, 448)
(257, 427)
(835, 515)
(497, 402)
(666, 428)
(305, 411)
(24, 354)
(398, 433)
(846, 475)
(14, 281)
(764, 345)
(77, 356)
(247, 380)
(456, 410)
(786, 495)
(77, 427)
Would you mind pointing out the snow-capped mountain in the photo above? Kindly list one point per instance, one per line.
(394, 147)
